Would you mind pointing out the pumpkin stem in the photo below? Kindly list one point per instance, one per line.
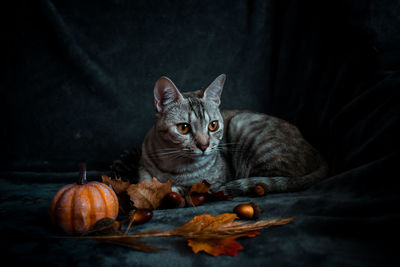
(82, 174)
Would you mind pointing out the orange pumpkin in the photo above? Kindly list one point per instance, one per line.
(77, 207)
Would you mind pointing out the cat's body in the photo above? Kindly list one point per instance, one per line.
(233, 150)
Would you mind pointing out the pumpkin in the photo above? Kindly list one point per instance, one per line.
(77, 207)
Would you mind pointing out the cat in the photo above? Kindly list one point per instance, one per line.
(234, 150)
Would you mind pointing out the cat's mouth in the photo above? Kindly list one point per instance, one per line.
(199, 154)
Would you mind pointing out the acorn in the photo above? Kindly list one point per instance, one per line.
(258, 190)
(138, 216)
(250, 211)
(142, 215)
(173, 200)
(198, 199)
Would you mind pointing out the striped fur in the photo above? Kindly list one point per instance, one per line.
(247, 149)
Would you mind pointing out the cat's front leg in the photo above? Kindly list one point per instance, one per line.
(179, 189)
(144, 175)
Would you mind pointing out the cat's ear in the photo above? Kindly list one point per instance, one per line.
(165, 93)
(214, 90)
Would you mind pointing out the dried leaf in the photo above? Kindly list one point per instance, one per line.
(148, 195)
(204, 222)
(200, 192)
(105, 226)
(202, 187)
(117, 185)
(216, 235)
(213, 246)
(225, 246)
(213, 235)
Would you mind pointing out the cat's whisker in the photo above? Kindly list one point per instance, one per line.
(229, 149)
(229, 144)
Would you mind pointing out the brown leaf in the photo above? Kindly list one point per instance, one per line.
(117, 185)
(148, 195)
(105, 226)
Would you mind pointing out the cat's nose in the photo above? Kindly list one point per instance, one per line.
(203, 146)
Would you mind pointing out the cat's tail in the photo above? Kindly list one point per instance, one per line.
(276, 184)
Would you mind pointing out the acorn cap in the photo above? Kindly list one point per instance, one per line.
(257, 210)
(259, 190)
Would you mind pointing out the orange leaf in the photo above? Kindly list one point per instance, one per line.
(202, 187)
(212, 246)
(148, 195)
(204, 222)
(200, 192)
(215, 247)
(225, 246)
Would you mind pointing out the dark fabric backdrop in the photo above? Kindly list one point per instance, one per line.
(77, 86)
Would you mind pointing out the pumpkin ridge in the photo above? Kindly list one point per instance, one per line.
(56, 200)
(94, 197)
(104, 200)
(103, 189)
(79, 222)
(87, 192)
(72, 213)
(66, 217)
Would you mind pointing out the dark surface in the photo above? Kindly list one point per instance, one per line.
(77, 86)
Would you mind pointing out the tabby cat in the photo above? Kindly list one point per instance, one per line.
(233, 150)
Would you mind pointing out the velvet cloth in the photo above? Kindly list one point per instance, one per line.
(77, 84)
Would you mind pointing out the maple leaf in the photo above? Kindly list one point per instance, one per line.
(222, 246)
(148, 195)
(206, 224)
(213, 235)
(216, 235)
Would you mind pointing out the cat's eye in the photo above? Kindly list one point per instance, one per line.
(183, 128)
(213, 126)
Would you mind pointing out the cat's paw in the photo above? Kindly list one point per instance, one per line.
(233, 189)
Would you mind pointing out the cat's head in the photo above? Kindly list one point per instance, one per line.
(190, 122)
